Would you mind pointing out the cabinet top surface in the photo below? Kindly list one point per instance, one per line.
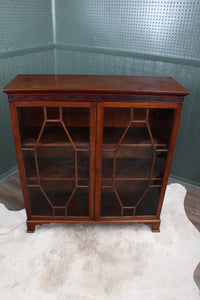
(95, 84)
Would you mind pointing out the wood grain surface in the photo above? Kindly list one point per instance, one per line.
(95, 83)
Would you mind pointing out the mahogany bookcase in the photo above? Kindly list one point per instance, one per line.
(94, 148)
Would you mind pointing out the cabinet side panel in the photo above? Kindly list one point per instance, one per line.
(16, 135)
(170, 156)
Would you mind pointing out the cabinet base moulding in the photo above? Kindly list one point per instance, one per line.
(155, 225)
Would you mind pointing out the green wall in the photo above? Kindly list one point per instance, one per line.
(186, 162)
(158, 27)
(140, 37)
(130, 37)
(26, 38)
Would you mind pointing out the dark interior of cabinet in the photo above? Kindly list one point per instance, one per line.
(55, 144)
(134, 155)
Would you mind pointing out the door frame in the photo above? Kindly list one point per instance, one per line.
(16, 133)
(100, 115)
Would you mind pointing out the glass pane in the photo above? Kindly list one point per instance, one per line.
(39, 204)
(61, 197)
(30, 166)
(83, 168)
(139, 114)
(160, 163)
(77, 122)
(126, 126)
(30, 121)
(115, 123)
(53, 113)
(134, 162)
(137, 135)
(109, 205)
(54, 133)
(58, 191)
(130, 191)
(107, 164)
(160, 122)
(134, 154)
(57, 169)
(79, 204)
(149, 204)
(56, 162)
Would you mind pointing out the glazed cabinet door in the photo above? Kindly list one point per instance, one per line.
(56, 158)
(133, 146)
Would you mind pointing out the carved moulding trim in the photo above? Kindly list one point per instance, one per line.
(91, 97)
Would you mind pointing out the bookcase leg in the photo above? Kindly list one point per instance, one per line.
(30, 227)
(155, 227)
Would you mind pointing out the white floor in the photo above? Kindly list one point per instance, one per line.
(103, 261)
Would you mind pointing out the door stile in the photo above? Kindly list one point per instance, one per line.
(93, 123)
(99, 134)
(17, 140)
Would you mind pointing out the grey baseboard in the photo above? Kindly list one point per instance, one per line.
(18, 52)
(8, 173)
(191, 183)
(101, 50)
(128, 53)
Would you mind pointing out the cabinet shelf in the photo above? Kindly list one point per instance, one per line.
(133, 152)
(62, 163)
(133, 167)
(136, 136)
(57, 173)
(112, 147)
(56, 136)
(132, 179)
